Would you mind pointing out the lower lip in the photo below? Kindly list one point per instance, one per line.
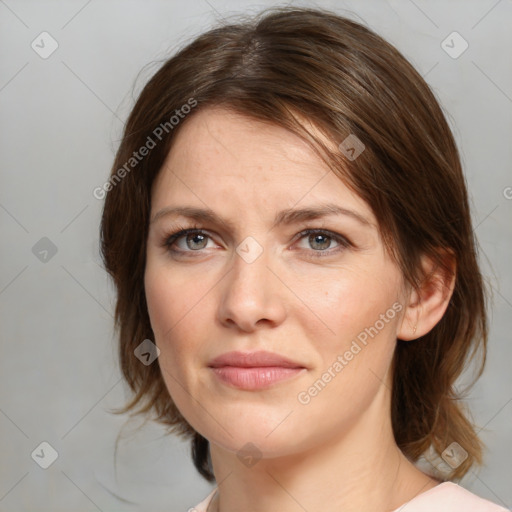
(255, 378)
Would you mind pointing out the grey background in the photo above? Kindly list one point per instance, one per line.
(61, 119)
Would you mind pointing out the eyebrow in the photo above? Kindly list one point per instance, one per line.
(284, 217)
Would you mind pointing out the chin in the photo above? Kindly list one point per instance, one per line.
(257, 440)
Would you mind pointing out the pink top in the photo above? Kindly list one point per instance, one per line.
(445, 497)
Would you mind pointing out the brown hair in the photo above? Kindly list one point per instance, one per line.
(284, 63)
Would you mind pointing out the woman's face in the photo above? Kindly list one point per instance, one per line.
(330, 302)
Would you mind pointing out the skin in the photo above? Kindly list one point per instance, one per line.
(287, 301)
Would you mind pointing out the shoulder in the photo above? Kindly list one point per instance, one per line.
(450, 497)
(201, 507)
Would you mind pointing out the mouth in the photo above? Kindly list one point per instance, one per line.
(255, 378)
(254, 370)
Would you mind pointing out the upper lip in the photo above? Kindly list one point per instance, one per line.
(253, 360)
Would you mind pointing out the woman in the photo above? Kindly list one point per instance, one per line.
(287, 226)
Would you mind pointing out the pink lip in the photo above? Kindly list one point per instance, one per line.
(254, 370)
(254, 378)
(253, 359)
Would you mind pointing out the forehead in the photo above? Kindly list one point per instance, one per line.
(220, 158)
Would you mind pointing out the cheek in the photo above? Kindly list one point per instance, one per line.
(353, 301)
(359, 310)
(173, 299)
(173, 307)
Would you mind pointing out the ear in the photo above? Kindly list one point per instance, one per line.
(425, 307)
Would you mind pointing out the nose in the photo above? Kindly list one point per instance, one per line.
(252, 294)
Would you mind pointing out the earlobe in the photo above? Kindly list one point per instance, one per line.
(427, 305)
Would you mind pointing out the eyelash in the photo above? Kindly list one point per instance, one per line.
(343, 242)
